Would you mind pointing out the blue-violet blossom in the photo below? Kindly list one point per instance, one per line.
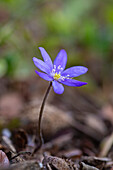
(55, 71)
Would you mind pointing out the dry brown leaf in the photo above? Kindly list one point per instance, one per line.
(109, 165)
(107, 112)
(84, 166)
(112, 168)
(26, 165)
(94, 122)
(97, 162)
(8, 143)
(73, 153)
(58, 163)
(4, 162)
(106, 144)
(54, 119)
(19, 138)
(59, 141)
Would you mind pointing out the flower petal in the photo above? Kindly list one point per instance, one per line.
(74, 71)
(41, 65)
(72, 82)
(58, 88)
(44, 76)
(60, 61)
(46, 57)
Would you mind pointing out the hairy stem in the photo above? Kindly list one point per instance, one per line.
(40, 118)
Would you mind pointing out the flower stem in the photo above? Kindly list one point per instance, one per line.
(40, 118)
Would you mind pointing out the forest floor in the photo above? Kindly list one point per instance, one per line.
(77, 128)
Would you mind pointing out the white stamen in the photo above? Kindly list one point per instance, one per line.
(64, 78)
(60, 68)
(53, 71)
(54, 67)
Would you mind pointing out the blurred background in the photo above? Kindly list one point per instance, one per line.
(84, 28)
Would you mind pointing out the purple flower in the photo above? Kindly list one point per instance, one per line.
(55, 71)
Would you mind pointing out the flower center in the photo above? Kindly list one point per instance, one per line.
(57, 76)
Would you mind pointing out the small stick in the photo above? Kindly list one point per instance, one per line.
(20, 153)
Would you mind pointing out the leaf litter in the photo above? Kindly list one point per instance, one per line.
(77, 131)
